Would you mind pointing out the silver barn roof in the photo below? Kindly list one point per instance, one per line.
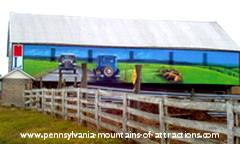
(70, 30)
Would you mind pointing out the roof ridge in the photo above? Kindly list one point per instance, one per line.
(112, 18)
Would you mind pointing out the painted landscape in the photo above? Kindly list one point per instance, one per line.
(151, 72)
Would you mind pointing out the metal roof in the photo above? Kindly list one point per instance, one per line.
(71, 30)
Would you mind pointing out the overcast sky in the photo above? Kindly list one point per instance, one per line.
(225, 12)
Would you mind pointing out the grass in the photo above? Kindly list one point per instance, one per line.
(38, 68)
(150, 72)
(191, 74)
(229, 71)
(14, 121)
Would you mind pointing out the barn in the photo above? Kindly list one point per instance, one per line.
(201, 51)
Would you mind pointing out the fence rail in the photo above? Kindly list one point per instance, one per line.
(113, 110)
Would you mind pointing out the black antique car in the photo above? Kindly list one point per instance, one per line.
(67, 61)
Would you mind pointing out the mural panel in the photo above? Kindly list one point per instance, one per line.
(158, 65)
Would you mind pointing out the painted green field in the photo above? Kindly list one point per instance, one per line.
(38, 68)
(14, 121)
(150, 72)
(191, 74)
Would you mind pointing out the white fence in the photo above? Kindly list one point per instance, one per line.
(114, 111)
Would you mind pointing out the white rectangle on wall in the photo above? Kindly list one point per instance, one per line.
(17, 63)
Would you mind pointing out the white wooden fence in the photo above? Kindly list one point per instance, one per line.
(113, 111)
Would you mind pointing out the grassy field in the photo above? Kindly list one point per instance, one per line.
(38, 68)
(191, 74)
(14, 121)
(150, 72)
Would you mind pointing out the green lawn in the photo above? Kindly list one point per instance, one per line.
(150, 72)
(14, 121)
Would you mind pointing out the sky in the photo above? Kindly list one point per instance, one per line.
(224, 12)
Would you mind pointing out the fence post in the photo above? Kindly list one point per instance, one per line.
(83, 114)
(38, 101)
(41, 101)
(31, 99)
(60, 79)
(35, 100)
(78, 105)
(96, 109)
(44, 101)
(83, 85)
(161, 119)
(84, 75)
(125, 114)
(52, 102)
(230, 122)
(41, 83)
(43, 93)
(137, 85)
(65, 103)
(99, 109)
(237, 123)
(62, 94)
(64, 83)
(166, 114)
(75, 81)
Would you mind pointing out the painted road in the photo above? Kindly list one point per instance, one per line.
(69, 76)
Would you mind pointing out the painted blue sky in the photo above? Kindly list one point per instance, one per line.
(145, 54)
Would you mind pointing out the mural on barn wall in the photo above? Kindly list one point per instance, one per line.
(159, 65)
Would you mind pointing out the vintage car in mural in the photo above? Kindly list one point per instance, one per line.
(67, 61)
(106, 68)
